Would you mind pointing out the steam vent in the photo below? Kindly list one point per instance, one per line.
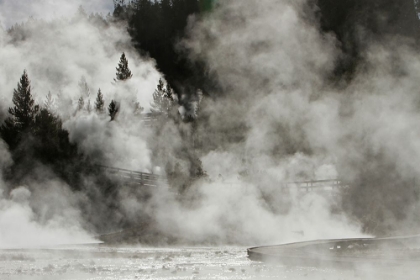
(343, 252)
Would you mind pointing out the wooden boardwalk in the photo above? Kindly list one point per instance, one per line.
(316, 185)
(136, 178)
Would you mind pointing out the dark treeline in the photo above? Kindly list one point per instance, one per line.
(156, 28)
(358, 23)
(41, 151)
(34, 132)
(40, 146)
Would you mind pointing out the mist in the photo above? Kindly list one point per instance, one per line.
(12, 12)
(68, 59)
(277, 115)
(274, 65)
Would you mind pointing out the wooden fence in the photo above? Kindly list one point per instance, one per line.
(138, 178)
(134, 177)
(317, 185)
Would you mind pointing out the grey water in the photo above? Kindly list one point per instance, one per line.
(99, 262)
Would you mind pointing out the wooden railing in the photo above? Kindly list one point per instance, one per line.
(312, 185)
(134, 177)
(153, 180)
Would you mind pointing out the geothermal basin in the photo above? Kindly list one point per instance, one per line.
(292, 261)
(392, 256)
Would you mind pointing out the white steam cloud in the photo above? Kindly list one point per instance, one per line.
(48, 216)
(60, 55)
(17, 11)
(278, 120)
(274, 64)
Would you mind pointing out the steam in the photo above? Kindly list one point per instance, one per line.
(277, 118)
(60, 55)
(274, 65)
(47, 216)
(20, 227)
(21, 10)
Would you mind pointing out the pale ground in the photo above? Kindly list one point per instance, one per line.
(100, 262)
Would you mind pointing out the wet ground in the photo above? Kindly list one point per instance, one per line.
(105, 263)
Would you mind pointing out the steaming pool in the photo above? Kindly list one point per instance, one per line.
(101, 262)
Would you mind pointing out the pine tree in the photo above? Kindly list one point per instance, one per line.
(156, 105)
(22, 114)
(119, 3)
(25, 109)
(49, 102)
(46, 124)
(162, 99)
(113, 109)
(51, 140)
(123, 72)
(80, 103)
(138, 109)
(99, 103)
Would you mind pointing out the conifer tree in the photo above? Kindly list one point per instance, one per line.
(49, 102)
(119, 3)
(123, 72)
(25, 109)
(80, 103)
(138, 109)
(113, 109)
(162, 99)
(22, 114)
(47, 124)
(51, 140)
(99, 103)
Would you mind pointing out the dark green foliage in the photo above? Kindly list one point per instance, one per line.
(207, 5)
(377, 16)
(99, 102)
(9, 133)
(163, 99)
(119, 3)
(113, 109)
(156, 27)
(356, 23)
(52, 143)
(43, 128)
(36, 136)
(22, 114)
(25, 109)
(123, 72)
